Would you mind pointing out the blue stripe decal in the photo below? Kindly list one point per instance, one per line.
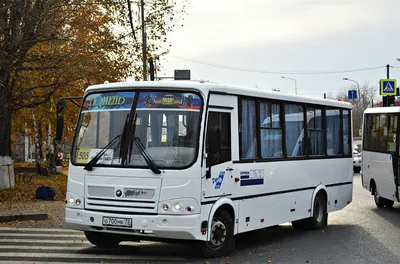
(245, 177)
(252, 182)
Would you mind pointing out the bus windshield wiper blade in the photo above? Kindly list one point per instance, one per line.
(149, 160)
(134, 139)
(95, 159)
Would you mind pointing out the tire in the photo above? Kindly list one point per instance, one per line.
(389, 203)
(379, 201)
(299, 224)
(222, 237)
(356, 169)
(103, 240)
(319, 219)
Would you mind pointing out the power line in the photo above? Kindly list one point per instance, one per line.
(277, 72)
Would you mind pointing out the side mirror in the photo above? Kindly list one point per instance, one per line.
(214, 140)
(60, 127)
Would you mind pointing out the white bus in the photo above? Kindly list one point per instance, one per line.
(203, 162)
(380, 154)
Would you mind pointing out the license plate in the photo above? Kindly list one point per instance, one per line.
(114, 221)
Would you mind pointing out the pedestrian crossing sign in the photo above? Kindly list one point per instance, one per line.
(388, 87)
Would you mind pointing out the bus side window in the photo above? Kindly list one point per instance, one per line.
(223, 121)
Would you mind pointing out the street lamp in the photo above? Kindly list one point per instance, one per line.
(359, 96)
(295, 83)
(358, 86)
(157, 57)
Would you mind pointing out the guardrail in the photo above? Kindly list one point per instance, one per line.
(9, 173)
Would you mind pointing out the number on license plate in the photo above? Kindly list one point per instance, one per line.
(113, 221)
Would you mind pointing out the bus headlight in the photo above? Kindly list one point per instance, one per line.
(74, 201)
(179, 206)
(165, 207)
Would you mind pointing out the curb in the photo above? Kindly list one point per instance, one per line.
(10, 218)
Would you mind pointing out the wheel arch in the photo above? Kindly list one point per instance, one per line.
(372, 185)
(320, 189)
(226, 204)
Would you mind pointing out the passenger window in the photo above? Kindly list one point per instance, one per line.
(392, 131)
(271, 130)
(223, 122)
(294, 130)
(315, 132)
(248, 129)
(333, 131)
(382, 132)
(346, 133)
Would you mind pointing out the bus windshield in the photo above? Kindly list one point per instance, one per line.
(167, 124)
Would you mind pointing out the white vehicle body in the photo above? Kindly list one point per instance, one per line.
(380, 155)
(357, 161)
(260, 180)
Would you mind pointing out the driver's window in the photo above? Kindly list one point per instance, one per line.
(223, 122)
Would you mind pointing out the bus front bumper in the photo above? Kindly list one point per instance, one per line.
(187, 227)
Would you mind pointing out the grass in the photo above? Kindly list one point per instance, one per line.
(25, 190)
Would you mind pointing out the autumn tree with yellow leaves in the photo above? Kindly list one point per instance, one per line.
(51, 49)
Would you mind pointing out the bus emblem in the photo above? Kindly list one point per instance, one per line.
(218, 181)
(118, 193)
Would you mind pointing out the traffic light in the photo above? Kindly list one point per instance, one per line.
(388, 100)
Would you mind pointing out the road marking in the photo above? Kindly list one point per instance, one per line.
(37, 241)
(37, 255)
(40, 235)
(46, 245)
(19, 247)
(39, 229)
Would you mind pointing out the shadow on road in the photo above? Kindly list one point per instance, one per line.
(348, 244)
(391, 215)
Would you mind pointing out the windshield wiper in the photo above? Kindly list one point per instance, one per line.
(95, 159)
(149, 160)
(133, 139)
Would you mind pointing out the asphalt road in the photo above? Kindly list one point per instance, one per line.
(360, 233)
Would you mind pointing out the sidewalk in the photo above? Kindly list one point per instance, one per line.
(55, 210)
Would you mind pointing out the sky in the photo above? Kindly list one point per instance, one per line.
(287, 37)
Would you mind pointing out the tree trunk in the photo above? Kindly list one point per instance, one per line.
(38, 145)
(7, 178)
(50, 158)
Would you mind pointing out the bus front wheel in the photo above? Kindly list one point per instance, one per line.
(222, 238)
(103, 240)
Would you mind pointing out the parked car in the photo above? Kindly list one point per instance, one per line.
(356, 161)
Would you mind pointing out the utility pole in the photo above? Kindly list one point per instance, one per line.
(389, 99)
(144, 42)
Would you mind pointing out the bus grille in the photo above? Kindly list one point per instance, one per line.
(103, 198)
(120, 205)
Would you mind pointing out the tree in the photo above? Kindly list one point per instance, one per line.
(54, 48)
(365, 97)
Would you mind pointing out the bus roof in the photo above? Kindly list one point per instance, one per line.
(375, 110)
(207, 87)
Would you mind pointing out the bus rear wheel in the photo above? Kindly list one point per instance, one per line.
(103, 240)
(380, 201)
(319, 219)
(222, 238)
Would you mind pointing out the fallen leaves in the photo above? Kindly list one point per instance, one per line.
(24, 191)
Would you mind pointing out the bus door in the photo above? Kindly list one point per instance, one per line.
(218, 180)
(388, 182)
(393, 144)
